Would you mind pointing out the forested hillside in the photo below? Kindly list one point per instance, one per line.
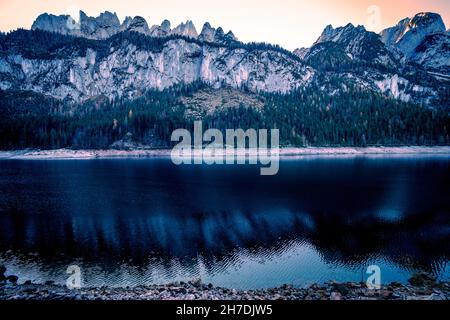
(306, 117)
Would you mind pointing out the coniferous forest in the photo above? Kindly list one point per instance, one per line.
(306, 117)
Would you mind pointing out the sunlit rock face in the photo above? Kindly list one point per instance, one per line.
(421, 39)
(409, 33)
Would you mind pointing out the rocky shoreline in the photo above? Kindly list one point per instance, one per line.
(67, 154)
(421, 286)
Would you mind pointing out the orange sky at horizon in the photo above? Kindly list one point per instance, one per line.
(289, 23)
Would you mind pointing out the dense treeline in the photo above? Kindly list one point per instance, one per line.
(357, 118)
(306, 117)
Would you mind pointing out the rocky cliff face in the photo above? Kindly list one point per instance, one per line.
(126, 69)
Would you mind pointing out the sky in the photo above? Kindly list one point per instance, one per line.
(289, 23)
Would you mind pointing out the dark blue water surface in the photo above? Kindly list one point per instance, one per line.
(131, 222)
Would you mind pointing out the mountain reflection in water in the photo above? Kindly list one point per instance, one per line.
(132, 222)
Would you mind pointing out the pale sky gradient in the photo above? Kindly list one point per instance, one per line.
(289, 23)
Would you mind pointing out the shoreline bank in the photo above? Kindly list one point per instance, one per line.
(198, 291)
(283, 152)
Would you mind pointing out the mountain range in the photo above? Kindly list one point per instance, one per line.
(410, 61)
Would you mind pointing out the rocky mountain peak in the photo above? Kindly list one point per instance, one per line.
(409, 33)
(101, 27)
(427, 19)
(162, 30)
(186, 29)
(138, 24)
(165, 25)
(355, 42)
(207, 33)
(126, 23)
(392, 35)
(341, 34)
(422, 40)
(107, 19)
(230, 36)
(52, 23)
(219, 33)
(210, 34)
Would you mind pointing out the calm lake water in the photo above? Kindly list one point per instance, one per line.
(132, 222)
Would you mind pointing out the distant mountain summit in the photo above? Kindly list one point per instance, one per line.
(409, 33)
(421, 39)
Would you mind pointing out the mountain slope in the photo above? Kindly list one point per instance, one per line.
(359, 44)
(359, 58)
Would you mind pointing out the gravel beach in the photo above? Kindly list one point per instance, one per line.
(421, 287)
